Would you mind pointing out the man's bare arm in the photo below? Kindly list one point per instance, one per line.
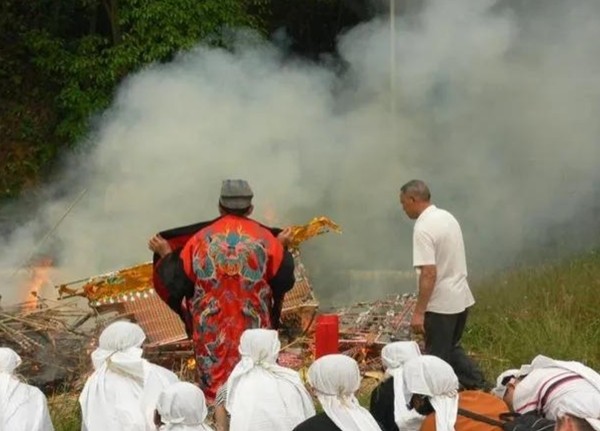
(426, 285)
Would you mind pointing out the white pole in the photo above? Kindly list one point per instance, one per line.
(392, 57)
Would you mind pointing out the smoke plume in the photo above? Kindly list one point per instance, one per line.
(494, 104)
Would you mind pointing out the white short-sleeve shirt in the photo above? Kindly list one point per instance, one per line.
(438, 240)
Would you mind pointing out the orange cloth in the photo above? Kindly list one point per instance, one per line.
(477, 402)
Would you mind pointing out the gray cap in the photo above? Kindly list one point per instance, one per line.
(236, 194)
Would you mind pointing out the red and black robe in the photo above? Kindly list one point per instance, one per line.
(224, 276)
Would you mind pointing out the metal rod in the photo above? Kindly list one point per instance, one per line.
(50, 232)
(393, 58)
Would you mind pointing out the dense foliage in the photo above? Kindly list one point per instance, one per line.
(60, 61)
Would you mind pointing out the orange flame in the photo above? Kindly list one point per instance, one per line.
(191, 363)
(40, 276)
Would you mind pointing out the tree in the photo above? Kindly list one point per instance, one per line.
(60, 61)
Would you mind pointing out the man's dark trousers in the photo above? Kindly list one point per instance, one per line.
(443, 333)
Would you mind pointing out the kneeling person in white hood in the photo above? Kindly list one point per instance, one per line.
(335, 380)
(182, 407)
(262, 395)
(554, 388)
(122, 392)
(22, 407)
(388, 403)
(432, 388)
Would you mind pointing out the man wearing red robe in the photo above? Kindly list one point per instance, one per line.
(222, 277)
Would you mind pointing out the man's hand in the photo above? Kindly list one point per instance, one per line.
(417, 324)
(159, 245)
(285, 237)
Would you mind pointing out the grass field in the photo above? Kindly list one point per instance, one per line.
(552, 310)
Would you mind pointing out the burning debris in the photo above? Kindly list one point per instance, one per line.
(48, 337)
(364, 328)
(55, 338)
(380, 322)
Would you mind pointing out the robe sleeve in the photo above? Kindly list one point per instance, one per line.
(173, 281)
(282, 282)
(168, 277)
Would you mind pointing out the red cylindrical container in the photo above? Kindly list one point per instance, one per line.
(326, 335)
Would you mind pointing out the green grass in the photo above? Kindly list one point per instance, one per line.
(552, 310)
(64, 409)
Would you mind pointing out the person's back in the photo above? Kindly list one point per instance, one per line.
(382, 409)
(280, 408)
(109, 397)
(382, 405)
(22, 407)
(388, 403)
(25, 408)
(262, 395)
(452, 293)
(319, 422)
(477, 402)
(335, 379)
(231, 262)
(121, 393)
(444, 296)
(121, 402)
(181, 407)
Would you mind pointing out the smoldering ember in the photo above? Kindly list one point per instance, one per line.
(56, 336)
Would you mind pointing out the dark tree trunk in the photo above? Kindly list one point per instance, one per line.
(112, 11)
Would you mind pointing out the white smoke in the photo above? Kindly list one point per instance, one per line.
(497, 109)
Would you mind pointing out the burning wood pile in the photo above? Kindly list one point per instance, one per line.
(364, 328)
(55, 338)
(48, 336)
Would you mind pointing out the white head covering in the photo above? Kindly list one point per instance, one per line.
(431, 376)
(9, 360)
(588, 374)
(335, 379)
(393, 356)
(261, 394)
(500, 388)
(22, 407)
(524, 370)
(119, 349)
(122, 392)
(182, 407)
(595, 423)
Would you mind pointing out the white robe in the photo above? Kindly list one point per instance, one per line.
(261, 395)
(122, 392)
(22, 407)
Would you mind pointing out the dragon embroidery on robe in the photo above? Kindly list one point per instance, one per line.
(229, 266)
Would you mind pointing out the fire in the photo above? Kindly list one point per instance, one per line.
(191, 363)
(40, 276)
